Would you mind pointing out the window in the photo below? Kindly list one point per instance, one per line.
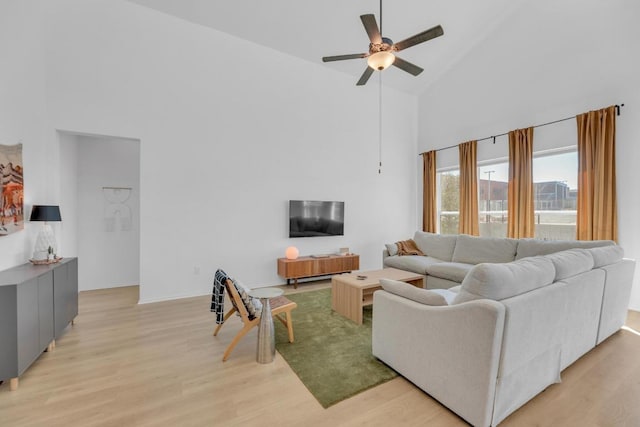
(555, 176)
(449, 201)
(493, 183)
(555, 183)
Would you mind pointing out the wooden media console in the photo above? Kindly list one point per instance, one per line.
(308, 266)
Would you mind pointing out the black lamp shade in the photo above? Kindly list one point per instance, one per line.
(45, 213)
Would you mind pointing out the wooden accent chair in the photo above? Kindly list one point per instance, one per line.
(279, 305)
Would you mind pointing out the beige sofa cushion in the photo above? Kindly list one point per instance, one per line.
(500, 281)
(433, 282)
(535, 247)
(423, 296)
(455, 289)
(475, 250)
(439, 246)
(455, 271)
(416, 263)
(570, 262)
(606, 255)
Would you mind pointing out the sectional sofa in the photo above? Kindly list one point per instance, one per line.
(448, 258)
(486, 347)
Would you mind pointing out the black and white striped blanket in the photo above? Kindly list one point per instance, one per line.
(217, 296)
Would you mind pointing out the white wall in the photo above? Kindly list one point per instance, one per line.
(551, 60)
(229, 131)
(23, 117)
(68, 239)
(108, 235)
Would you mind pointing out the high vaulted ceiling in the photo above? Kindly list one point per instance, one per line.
(311, 30)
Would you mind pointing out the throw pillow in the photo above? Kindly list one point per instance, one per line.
(423, 296)
(408, 247)
(392, 248)
(253, 305)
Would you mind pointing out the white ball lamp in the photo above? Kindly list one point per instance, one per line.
(292, 252)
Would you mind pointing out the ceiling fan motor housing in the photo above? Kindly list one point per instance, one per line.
(386, 45)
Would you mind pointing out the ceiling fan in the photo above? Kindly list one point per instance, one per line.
(381, 49)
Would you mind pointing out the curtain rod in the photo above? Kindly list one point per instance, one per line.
(493, 137)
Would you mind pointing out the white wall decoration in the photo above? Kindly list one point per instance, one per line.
(117, 213)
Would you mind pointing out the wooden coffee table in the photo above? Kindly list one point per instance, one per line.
(349, 294)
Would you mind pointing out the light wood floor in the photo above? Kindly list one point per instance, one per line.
(124, 364)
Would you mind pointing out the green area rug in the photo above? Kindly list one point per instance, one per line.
(331, 355)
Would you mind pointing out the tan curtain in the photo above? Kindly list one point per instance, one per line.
(520, 221)
(429, 206)
(597, 206)
(468, 189)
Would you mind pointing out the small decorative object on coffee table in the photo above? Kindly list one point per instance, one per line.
(266, 349)
(351, 292)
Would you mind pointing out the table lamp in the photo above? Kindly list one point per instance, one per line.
(46, 238)
(291, 252)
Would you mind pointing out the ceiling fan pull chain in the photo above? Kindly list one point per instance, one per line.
(380, 121)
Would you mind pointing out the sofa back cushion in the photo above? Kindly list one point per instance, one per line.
(436, 245)
(416, 263)
(606, 255)
(454, 271)
(570, 262)
(505, 280)
(423, 296)
(535, 247)
(475, 250)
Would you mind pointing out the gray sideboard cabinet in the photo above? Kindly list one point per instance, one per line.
(37, 302)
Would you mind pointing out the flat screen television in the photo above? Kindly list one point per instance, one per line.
(313, 218)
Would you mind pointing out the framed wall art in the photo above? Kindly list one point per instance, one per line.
(12, 190)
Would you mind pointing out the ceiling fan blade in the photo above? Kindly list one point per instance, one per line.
(371, 27)
(407, 66)
(343, 57)
(422, 37)
(365, 76)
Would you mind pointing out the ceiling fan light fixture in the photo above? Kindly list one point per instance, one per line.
(381, 60)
